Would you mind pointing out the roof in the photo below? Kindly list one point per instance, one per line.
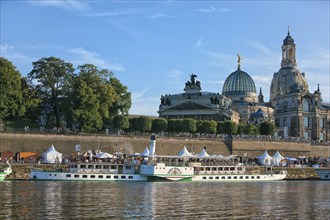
(238, 82)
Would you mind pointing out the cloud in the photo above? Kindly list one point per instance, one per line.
(83, 56)
(198, 43)
(70, 5)
(212, 9)
(158, 15)
(10, 52)
(113, 13)
(143, 104)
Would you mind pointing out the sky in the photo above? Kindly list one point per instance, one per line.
(153, 46)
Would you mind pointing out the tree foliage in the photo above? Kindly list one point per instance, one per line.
(220, 125)
(230, 127)
(189, 125)
(85, 115)
(207, 127)
(120, 122)
(144, 124)
(158, 125)
(51, 76)
(266, 128)
(174, 125)
(10, 90)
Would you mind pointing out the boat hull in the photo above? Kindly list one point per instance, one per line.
(324, 173)
(67, 176)
(238, 178)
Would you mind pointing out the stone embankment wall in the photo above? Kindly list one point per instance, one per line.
(16, 142)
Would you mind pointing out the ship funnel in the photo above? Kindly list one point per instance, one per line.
(152, 146)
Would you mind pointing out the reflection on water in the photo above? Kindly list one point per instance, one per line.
(73, 200)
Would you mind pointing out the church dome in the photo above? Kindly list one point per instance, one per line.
(239, 83)
(287, 80)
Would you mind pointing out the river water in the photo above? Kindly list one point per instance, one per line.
(164, 200)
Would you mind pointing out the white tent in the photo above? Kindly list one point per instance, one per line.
(277, 158)
(52, 156)
(184, 152)
(203, 153)
(104, 155)
(264, 159)
(145, 153)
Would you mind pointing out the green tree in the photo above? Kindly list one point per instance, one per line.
(85, 115)
(144, 124)
(230, 127)
(159, 124)
(208, 127)
(189, 125)
(123, 102)
(220, 125)
(10, 91)
(99, 82)
(266, 128)
(120, 122)
(133, 124)
(174, 125)
(51, 76)
(31, 100)
(241, 128)
(251, 129)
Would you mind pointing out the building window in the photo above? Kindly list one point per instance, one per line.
(306, 135)
(321, 136)
(321, 122)
(305, 104)
(306, 122)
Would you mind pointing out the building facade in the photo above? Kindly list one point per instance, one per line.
(295, 111)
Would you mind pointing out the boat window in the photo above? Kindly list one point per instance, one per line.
(98, 167)
(123, 177)
(82, 166)
(241, 177)
(90, 166)
(226, 168)
(113, 167)
(246, 177)
(216, 177)
(326, 176)
(214, 169)
(229, 177)
(101, 176)
(92, 176)
(128, 167)
(211, 178)
(232, 168)
(235, 177)
(84, 176)
(76, 176)
(220, 168)
(239, 168)
(207, 168)
(50, 174)
(108, 176)
(223, 177)
(130, 177)
(105, 166)
(258, 177)
(68, 175)
(204, 177)
(252, 177)
(116, 177)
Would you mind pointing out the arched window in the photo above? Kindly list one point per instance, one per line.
(290, 53)
(306, 105)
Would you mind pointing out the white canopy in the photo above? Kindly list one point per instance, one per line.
(277, 158)
(52, 156)
(203, 153)
(265, 159)
(145, 153)
(104, 155)
(184, 152)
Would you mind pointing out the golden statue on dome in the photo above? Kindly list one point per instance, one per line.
(239, 58)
